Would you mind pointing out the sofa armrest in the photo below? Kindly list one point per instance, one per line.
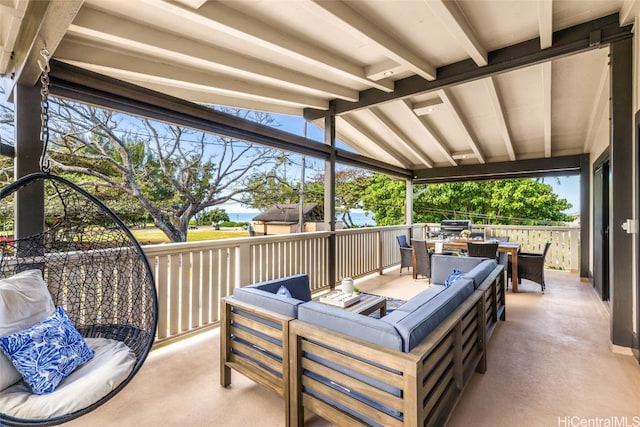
(267, 300)
(255, 342)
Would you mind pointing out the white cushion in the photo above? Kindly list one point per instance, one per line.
(24, 301)
(112, 364)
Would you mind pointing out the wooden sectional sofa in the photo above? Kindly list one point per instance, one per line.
(407, 369)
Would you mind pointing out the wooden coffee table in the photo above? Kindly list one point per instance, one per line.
(368, 304)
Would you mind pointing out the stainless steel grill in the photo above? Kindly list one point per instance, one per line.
(450, 227)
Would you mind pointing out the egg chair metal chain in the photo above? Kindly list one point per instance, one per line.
(45, 163)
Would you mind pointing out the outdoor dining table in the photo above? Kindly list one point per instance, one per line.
(510, 248)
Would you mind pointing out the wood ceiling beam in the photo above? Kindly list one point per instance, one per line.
(401, 138)
(457, 25)
(628, 11)
(556, 166)
(458, 117)
(599, 108)
(218, 17)
(502, 122)
(43, 26)
(140, 69)
(546, 106)
(82, 85)
(11, 16)
(545, 23)
(429, 131)
(117, 33)
(567, 41)
(384, 149)
(394, 49)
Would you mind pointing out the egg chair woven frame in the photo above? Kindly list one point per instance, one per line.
(93, 266)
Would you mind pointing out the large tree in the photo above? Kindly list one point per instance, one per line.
(172, 172)
(514, 201)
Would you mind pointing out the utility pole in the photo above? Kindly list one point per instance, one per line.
(301, 208)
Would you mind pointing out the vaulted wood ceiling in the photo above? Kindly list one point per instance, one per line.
(405, 77)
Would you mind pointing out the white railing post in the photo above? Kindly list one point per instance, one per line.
(243, 265)
(575, 250)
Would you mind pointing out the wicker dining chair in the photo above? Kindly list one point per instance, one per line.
(486, 250)
(405, 252)
(422, 255)
(531, 266)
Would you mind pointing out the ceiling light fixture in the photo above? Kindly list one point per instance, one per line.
(388, 73)
(426, 107)
(462, 155)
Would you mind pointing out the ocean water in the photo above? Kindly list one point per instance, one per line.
(358, 218)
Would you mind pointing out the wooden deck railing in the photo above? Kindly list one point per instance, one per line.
(191, 278)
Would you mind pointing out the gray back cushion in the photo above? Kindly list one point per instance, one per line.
(443, 265)
(481, 271)
(355, 325)
(264, 295)
(416, 325)
(298, 286)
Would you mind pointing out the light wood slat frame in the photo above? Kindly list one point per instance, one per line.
(431, 377)
(240, 362)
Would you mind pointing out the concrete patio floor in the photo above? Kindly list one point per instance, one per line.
(549, 364)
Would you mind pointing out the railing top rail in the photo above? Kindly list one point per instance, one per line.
(518, 227)
(224, 243)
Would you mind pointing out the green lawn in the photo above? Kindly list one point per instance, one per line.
(152, 235)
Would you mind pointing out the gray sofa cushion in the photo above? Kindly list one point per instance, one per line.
(264, 295)
(422, 298)
(413, 327)
(443, 265)
(481, 271)
(355, 325)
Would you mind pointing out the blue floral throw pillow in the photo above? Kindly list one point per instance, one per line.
(455, 275)
(47, 352)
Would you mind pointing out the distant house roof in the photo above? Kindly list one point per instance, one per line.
(289, 213)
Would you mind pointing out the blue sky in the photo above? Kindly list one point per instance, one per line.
(565, 187)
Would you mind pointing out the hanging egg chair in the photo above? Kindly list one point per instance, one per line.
(78, 303)
(94, 268)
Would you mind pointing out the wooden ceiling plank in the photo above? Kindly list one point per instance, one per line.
(455, 22)
(462, 124)
(386, 148)
(546, 94)
(43, 26)
(394, 49)
(502, 122)
(140, 69)
(221, 18)
(545, 23)
(401, 137)
(599, 108)
(412, 116)
(104, 28)
(568, 41)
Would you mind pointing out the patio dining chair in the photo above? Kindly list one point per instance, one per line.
(503, 257)
(422, 256)
(405, 252)
(531, 266)
(486, 250)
